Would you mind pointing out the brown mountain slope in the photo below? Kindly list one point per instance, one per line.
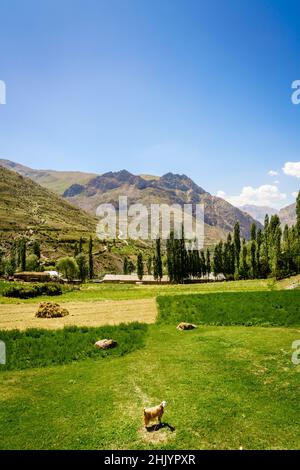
(287, 215)
(258, 212)
(25, 204)
(27, 209)
(56, 181)
(220, 216)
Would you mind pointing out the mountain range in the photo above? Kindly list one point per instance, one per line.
(56, 181)
(258, 212)
(287, 214)
(87, 191)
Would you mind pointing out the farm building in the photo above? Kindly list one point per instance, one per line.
(147, 279)
(133, 279)
(28, 276)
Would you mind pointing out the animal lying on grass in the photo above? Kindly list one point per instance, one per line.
(156, 412)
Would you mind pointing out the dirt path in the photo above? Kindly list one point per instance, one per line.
(293, 286)
(110, 312)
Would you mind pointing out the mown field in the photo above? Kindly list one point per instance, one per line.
(227, 385)
(97, 313)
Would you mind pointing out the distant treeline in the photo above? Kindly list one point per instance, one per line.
(271, 252)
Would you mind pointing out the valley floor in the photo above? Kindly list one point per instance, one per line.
(227, 387)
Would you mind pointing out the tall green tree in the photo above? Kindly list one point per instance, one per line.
(253, 232)
(237, 244)
(218, 267)
(91, 259)
(22, 254)
(203, 263)
(83, 269)
(130, 267)
(13, 257)
(170, 257)
(149, 265)
(253, 259)
(36, 249)
(253, 251)
(76, 249)
(276, 253)
(208, 263)
(228, 258)
(244, 268)
(157, 262)
(259, 242)
(140, 266)
(125, 265)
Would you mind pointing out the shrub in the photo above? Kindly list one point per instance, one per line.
(32, 263)
(21, 291)
(68, 267)
(52, 289)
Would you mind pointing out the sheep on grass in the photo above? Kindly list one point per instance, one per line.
(156, 412)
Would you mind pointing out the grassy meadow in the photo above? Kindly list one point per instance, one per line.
(103, 291)
(280, 308)
(228, 385)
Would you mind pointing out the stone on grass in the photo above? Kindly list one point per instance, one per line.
(51, 310)
(186, 326)
(106, 344)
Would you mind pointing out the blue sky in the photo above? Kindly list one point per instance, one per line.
(195, 87)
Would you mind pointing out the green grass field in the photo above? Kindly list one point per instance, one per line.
(226, 386)
(90, 292)
(41, 348)
(277, 308)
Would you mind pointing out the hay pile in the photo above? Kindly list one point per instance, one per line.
(51, 310)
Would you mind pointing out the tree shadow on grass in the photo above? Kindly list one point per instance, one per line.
(157, 427)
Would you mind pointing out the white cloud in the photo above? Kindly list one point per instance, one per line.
(273, 173)
(265, 195)
(276, 182)
(295, 194)
(292, 169)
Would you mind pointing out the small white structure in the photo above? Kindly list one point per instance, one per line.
(53, 274)
(133, 279)
(147, 279)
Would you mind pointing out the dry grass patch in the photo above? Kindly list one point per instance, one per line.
(110, 312)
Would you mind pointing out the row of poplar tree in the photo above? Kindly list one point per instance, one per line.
(271, 252)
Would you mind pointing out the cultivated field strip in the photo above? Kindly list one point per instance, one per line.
(109, 312)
